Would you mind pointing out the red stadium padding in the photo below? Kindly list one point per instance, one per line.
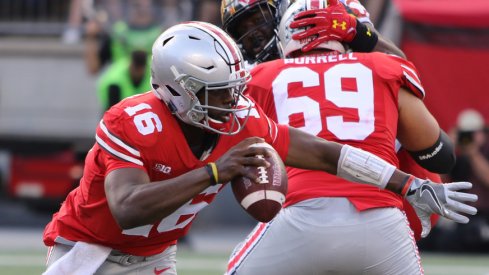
(448, 41)
(454, 78)
(473, 13)
(45, 176)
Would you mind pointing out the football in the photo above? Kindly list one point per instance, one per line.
(263, 199)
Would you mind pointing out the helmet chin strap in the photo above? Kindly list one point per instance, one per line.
(193, 116)
(229, 127)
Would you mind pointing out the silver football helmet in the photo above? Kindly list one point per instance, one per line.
(286, 44)
(194, 57)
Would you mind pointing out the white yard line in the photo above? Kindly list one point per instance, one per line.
(182, 263)
(456, 270)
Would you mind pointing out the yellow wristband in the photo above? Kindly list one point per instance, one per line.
(211, 169)
(214, 171)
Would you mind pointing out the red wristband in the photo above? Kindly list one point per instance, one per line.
(405, 188)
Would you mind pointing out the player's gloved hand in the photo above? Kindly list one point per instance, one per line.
(427, 197)
(331, 23)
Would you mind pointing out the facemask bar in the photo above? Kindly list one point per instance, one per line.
(198, 113)
(269, 22)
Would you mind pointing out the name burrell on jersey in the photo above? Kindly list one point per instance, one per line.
(320, 59)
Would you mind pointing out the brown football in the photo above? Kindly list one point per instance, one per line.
(263, 199)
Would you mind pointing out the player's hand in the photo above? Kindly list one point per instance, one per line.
(331, 23)
(233, 163)
(427, 197)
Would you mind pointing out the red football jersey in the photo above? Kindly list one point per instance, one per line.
(140, 132)
(348, 98)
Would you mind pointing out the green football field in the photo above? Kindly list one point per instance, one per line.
(198, 263)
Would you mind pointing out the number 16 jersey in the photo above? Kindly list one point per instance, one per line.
(140, 132)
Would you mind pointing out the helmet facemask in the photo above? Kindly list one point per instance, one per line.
(199, 112)
(266, 25)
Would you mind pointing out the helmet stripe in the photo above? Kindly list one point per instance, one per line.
(315, 4)
(231, 47)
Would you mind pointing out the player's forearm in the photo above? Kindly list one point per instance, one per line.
(361, 166)
(385, 46)
(150, 202)
(310, 152)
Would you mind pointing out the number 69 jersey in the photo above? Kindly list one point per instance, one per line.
(140, 132)
(348, 98)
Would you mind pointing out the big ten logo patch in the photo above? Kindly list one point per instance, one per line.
(162, 168)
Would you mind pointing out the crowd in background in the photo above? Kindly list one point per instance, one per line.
(119, 36)
(470, 135)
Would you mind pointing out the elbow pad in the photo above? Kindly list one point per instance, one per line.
(439, 158)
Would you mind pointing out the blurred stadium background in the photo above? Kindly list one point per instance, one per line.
(49, 110)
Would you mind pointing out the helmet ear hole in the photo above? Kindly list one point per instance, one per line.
(172, 91)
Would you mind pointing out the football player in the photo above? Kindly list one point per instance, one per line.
(336, 23)
(253, 25)
(162, 156)
(329, 225)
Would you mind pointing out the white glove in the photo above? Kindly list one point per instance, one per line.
(427, 197)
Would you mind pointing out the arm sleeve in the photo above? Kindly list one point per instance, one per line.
(439, 158)
(115, 141)
(410, 78)
(395, 67)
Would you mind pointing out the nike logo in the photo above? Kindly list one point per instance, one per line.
(411, 192)
(159, 271)
(431, 192)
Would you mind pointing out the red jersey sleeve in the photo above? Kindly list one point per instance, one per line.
(394, 67)
(113, 135)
